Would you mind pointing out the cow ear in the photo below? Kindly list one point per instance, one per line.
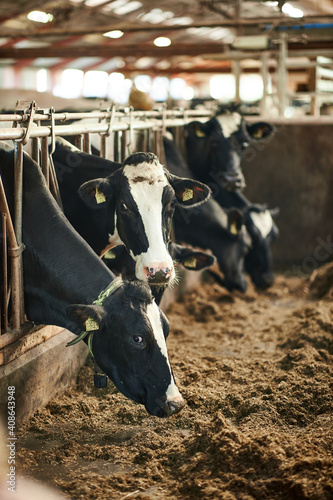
(88, 317)
(235, 221)
(196, 129)
(196, 261)
(96, 193)
(274, 212)
(189, 193)
(260, 130)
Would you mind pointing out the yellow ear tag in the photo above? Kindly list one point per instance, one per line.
(100, 197)
(199, 132)
(109, 255)
(187, 194)
(91, 324)
(233, 228)
(190, 262)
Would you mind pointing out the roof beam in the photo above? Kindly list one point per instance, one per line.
(143, 50)
(134, 28)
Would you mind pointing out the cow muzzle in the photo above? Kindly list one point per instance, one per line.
(170, 407)
(159, 274)
(233, 181)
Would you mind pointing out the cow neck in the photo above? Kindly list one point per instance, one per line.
(59, 266)
(117, 283)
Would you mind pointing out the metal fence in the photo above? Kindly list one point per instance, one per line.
(119, 132)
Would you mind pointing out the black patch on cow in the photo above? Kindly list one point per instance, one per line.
(137, 158)
(129, 222)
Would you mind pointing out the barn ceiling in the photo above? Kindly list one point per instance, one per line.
(203, 33)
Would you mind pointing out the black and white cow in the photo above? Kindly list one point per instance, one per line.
(215, 148)
(262, 231)
(67, 284)
(120, 262)
(211, 227)
(132, 203)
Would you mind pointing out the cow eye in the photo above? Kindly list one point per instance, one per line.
(138, 341)
(124, 207)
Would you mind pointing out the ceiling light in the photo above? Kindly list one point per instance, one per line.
(156, 16)
(291, 11)
(114, 34)
(182, 21)
(40, 17)
(127, 8)
(162, 41)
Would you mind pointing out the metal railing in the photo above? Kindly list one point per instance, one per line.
(120, 132)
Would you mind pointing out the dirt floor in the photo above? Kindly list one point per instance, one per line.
(256, 373)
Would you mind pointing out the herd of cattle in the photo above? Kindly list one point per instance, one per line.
(99, 266)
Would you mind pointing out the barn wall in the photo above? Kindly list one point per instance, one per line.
(294, 171)
(41, 373)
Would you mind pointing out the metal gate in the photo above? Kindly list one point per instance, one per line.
(120, 131)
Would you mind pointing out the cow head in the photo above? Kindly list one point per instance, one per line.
(129, 346)
(191, 259)
(137, 203)
(215, 148)
(233, 251)
(263, 232)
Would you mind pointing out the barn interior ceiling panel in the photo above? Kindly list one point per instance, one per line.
(167, 37)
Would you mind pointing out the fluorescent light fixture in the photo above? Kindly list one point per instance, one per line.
(254, 42)
(162, 41)
(291, 11)
(114, 34)
(40, 17)
(156, 16)
(181, 21)
(127, 8)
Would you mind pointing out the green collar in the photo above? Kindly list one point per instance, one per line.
(116, 283)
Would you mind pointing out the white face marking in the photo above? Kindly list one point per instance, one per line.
(229, 123)
(114, 238)
(153, 313)
(147, 193)
(263, 221)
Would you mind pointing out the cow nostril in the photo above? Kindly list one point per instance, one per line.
(175, 406)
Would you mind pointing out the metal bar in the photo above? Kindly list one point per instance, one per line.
(44, 159)
(35, 149)
(236, 69)
(79, 141)
(17, 276)
(5, 274)
(18, 183)
(171, 113)
(282, 73)
(78, 129)
(15, 261)
(265, 82)
(86, 143)
(277, 20)
(102, 149)
(123, 145)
